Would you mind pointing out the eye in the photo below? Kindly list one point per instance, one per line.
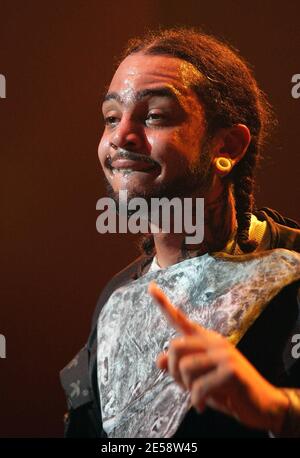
(155, 118)
(111, 121)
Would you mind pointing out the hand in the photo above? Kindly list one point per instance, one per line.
(216, 374)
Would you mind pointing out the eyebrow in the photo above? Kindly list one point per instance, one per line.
(157, 92)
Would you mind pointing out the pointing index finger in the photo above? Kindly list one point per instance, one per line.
(175, 316)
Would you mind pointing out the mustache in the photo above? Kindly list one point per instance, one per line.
(122, 153)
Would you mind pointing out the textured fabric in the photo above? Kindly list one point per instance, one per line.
(267, 345)
(221, 292)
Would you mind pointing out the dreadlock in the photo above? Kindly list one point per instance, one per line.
(230, 95)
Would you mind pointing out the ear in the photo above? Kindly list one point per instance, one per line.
(232, 142)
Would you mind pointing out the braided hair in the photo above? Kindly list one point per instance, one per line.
(230, 95)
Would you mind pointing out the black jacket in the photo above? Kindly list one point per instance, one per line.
(269, 352)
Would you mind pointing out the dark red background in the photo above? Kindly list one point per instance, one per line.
(57, 57)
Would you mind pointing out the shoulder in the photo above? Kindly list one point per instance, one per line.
(284, 232)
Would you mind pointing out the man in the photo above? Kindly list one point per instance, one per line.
(184, 117)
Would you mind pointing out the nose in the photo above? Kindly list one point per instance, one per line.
(128, 134)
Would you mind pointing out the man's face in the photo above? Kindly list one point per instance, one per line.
(152, 145)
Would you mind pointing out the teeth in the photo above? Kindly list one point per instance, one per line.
(124, 171)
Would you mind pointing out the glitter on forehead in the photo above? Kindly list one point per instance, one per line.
(127, 93)
(132, 75)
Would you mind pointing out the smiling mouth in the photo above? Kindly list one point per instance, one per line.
(127, 166)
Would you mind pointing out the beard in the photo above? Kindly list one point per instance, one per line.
(196, 180)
